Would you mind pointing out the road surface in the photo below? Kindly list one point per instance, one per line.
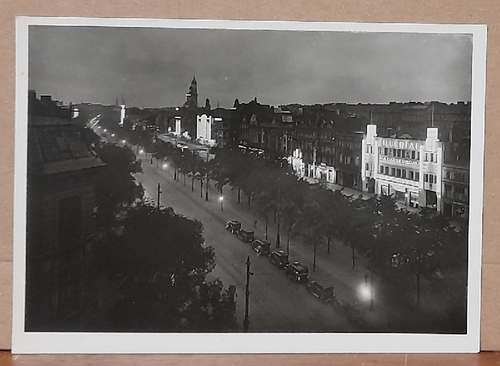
(277, 304)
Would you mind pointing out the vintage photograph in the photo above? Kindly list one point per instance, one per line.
(187, 177)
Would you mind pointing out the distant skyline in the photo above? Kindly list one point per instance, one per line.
(153, 67)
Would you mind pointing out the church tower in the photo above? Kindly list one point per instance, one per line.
(192, 94)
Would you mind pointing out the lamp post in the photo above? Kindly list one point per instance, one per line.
(371, 293)
(159, 195)
(246, 320)
(365, 292)
(221, 200)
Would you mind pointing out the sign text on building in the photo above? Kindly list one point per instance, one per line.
(390, 159)
(400, 144)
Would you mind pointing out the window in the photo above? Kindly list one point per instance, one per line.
(393, 172)
(403, 173)
(417, 176)
(69, 220)
(412, 175)
(398, 173)
(381, 169)
(386, 170)
(426, 178)
(447, 190)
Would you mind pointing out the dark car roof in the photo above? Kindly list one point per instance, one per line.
(279, 252)
(299, 267)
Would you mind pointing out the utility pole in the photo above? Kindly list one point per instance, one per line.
(246, 321)
(159, 195)
(206, 191)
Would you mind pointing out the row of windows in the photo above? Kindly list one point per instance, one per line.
(459, 193)
(458, 176)
(430, 178)
(399, 173)
(399, 153)
(431, 157)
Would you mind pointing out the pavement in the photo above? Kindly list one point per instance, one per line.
(359, 287)
(353, 286)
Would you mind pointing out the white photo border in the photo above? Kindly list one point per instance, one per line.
(209, 343)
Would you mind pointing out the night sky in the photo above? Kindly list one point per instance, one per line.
(153, 67)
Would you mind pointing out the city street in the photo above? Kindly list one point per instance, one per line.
(277, 304)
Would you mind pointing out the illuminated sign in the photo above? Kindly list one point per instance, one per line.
(390, 159)
(401, 144)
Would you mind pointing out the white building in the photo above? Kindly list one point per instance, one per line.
(204, 129)
(409, 169)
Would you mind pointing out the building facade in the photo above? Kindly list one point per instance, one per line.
(61, 223)
(411, 170)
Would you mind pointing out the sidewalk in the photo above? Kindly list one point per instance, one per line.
(331, 270)
(334, 269)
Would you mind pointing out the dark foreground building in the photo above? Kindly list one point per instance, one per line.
(60, 220)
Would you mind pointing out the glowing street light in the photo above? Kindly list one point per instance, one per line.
(112, 135)
(221, 200)
(105, 130)
(124, 142)
(141, 151)
(164, 166)
(366, 291)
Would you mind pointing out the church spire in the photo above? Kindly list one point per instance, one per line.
(192, 94)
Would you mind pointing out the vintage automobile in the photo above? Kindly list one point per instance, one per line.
(246, 236)
(325, 294)
(279, 258)
(297, 272)
(233, 226)
(262, 247)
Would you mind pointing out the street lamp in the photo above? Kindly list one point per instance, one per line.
(164, 166)
(366, 291)
(221, 199)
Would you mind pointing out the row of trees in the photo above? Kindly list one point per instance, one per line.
(420, 244)
(158, 256)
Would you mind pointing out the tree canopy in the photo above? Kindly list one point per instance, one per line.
(162, 261)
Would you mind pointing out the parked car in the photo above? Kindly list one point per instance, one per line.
(182, 145)
(279, 258)
(398, 260)
(324, 294)
(233, 226)
(262, 247)
(297, 272)
(246, 236)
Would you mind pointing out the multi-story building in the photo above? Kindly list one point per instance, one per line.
(409, 169)
(60, 220)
